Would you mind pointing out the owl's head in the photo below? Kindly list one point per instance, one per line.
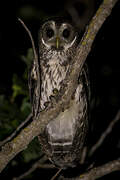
(58, 35)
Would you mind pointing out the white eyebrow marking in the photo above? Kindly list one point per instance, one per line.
(53, 23)
(48, 46)
(69, 45)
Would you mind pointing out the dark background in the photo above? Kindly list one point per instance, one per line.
(103, 63)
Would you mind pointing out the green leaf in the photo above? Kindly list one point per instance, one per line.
(28, 58)
(17, 90)
(33, 151)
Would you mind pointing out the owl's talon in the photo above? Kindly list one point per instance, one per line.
(46, 104)
(52, 97)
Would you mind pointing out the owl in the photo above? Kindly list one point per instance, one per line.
(64, 137)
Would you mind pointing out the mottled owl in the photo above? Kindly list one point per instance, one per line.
(64, 137)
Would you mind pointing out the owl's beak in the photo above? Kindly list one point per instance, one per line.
(57, 42)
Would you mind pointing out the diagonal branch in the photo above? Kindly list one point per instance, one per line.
(98, 172)
(11, 149)
(16, 131)
(82, 20)
(105, 134)
(38, 164)
(103, 170)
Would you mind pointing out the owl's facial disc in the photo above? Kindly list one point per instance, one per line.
(58, 36)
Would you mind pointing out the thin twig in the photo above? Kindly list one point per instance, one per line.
(16, 131)
(36, 165)
(46, 166)
(80, 21)
(36, 62)
(58, 172)
(31, 38)
(105, 134)
(32, 169)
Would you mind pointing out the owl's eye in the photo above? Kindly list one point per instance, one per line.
(49, 32)
(66, 33)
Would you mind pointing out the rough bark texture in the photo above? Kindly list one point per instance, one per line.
(18, 144)
(98, 172)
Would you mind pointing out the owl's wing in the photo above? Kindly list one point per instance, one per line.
(85, 80)
(34, 87)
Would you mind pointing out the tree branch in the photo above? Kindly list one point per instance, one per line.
(16, 131)
(11, 149)
(58, 172)
(38, 164)
(98, 172)
(31, 38)
(105, 133)
(80, 21)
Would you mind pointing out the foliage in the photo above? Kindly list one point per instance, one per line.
(15, 109)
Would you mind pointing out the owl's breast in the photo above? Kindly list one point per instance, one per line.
(52, 76)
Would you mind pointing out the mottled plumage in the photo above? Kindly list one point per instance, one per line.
(64, 136)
